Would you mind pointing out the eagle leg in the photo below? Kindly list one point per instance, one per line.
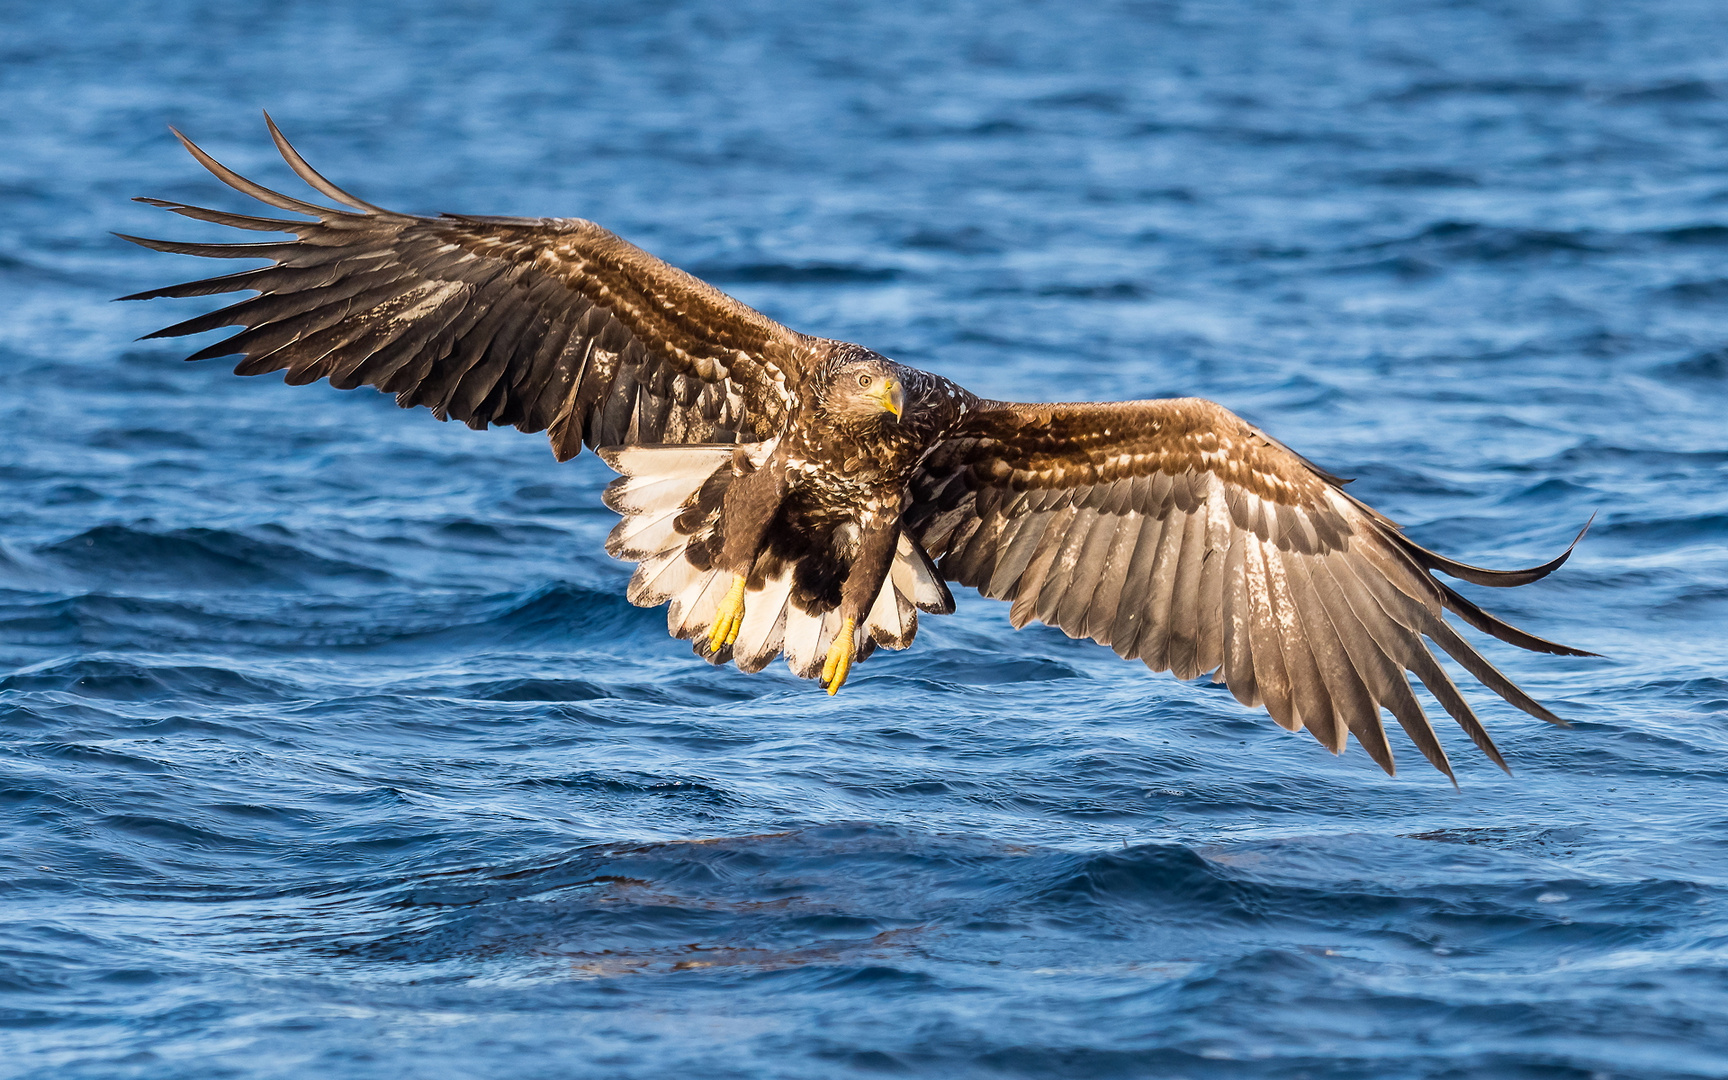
(840, 654)
(728, 617)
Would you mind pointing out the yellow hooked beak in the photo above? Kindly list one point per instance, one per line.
(890, 394)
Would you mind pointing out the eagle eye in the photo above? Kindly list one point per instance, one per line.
(864, 381)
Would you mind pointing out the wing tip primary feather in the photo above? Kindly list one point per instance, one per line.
(313, 177)
(1499, 628)
(248, 187)
(1497, 579)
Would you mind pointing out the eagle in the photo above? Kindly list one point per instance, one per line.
(784, 494)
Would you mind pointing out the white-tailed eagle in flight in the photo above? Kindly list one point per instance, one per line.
(792, 495)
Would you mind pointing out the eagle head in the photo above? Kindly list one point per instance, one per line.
(865, 391)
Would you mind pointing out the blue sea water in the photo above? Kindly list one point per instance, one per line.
(330, 748)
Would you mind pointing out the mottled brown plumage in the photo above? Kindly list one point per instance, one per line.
(553, 325)
(784, 494)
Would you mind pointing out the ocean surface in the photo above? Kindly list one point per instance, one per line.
(330, 749)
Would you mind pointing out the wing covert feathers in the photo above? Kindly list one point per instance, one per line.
(1176, 533)
(550, 324)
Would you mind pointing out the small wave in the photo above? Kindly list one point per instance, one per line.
(19, 570)
(98, 620)
(1553, 490)
(1687, 529)
(1495, 88)
(1679, 92)
(1104, 101)
(23, 270)
(1431, 177)
(1382, 476)
(563, 610)
(538, 690)
(1707, 291)
(117, 680)
(1110, 196)
(988, 128)
(1169, 877)
(629, 784)
(964, 240)
(145, 439)
(1115, 290)
(1710, 685)
(1708, 234)
(972, 668)
(1706, 367)
(102, 620)
(489, 535)
(1452, 241)
(1546, 841)
(796, 273)
(172, 833)
(199, 560)
(99, 757)
(1610, 457)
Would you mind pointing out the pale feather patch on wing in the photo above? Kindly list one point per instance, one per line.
(917, 578)
(809, 635)
(764, 627)
(642, 536)
(661, 577)
(803, 642)
(892, 619)
(657, 484)
(911, 585)
(692, 611)
(659, 478)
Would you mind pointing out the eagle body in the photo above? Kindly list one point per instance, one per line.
(790, 495)
(811, 519)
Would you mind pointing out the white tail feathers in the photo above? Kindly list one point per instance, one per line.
(912, 585)
(659, 484)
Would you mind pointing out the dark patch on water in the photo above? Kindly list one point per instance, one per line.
(1706, 367)
(784, 274)
(197, 560)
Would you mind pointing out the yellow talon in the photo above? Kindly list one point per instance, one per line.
(839, 662)
(728, 617)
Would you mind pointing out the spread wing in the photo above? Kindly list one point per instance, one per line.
(548, 324)
(1175, 532)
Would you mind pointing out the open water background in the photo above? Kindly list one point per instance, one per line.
(329, 747)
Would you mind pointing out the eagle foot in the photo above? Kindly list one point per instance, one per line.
(839, 662)
(728, 617)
